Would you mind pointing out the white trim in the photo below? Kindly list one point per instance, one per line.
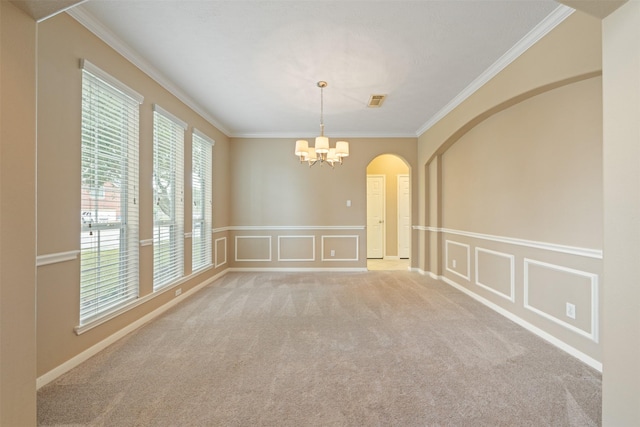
(92, 24)
(248, 259)
(357, 258)
(398, 202)
(554, 247)
(384, 213)
(188, 235)
(433, 275)
(215, 248)
(512, 273)
(56, 258)
(57, 12)
(158, 109)
(110, 80)
(297, 269)
(313, 248)
(446, 257)
(593, 335)
(204, 136)
(146, 242)
(95, 349)
(528, 326)
(289, 227)
(220, 230)
(560, 13)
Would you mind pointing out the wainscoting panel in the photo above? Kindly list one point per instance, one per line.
(296, 248)
(340, 247)
(253, 248)
(457, 257)
(550, 288)
(220, 255)
(495, 272)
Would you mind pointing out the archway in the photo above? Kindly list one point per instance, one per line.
(388, 213)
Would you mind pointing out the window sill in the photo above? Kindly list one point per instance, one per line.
(109, 315)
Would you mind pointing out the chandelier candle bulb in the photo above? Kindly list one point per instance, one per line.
(322, 144)
(302, 148)
(311, 155)
(342, 149)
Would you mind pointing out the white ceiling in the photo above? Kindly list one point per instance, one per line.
(252, 66)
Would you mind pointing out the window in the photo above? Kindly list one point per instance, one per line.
(168, 196)
(109, 208)
(202, 203)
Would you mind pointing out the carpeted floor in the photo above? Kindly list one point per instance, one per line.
(327, 349)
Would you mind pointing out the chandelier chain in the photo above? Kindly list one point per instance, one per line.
(321, 109)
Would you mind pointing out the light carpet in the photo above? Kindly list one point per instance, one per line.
(327, 349)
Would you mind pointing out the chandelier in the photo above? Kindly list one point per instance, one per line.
(321, 152)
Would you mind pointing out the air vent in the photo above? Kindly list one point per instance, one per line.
(375, 101)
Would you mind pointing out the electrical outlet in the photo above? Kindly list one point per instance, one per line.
(571, 310)
(178, 291)
(454, 263)
(333, 252)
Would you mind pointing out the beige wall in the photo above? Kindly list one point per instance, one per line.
(390, 166)
(570, 51)
(62, 42)
(566, 53)
(17, 217)
(532, 172)
(511, 192)
(621, 329)
(272, 194)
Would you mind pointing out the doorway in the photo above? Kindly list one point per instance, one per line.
(375, 216)
(388, 213)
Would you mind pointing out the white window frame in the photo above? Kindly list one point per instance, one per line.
(168, 198)
(109, 251)
(201, 214)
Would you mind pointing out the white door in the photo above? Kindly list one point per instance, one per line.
(404, 216)
(375, 216)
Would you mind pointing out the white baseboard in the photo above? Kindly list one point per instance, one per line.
(95, 349)
(528, 326)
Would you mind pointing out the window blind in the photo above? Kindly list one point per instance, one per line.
(109, 192)
(201, 154)
(168, 191)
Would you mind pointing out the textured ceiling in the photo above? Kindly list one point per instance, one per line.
(253, 65)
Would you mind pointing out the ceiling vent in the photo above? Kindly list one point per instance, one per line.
(375, 101)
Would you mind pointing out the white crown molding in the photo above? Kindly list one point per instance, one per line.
(561, 13)
(96, 27)
(345, 135)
